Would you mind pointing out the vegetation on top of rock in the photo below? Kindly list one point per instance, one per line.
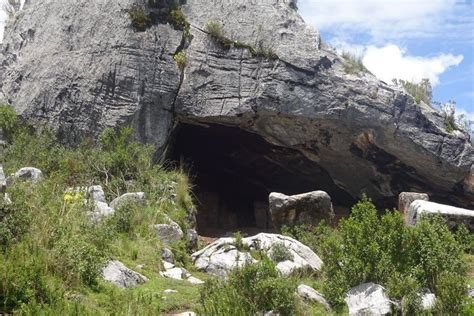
(216, 30)
(353, 64)
(140, 18)
(452, 120)
(419, 91)
(280, 253)
(181, 59)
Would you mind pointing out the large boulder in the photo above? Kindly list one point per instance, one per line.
(454, 216)
(117, 273)
(406, 198)
(368, 299)
(81, 68)
(306, 208)
(225, 254)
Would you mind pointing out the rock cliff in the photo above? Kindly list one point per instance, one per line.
(297, 117)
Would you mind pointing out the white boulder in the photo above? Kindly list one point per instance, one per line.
(222, 256)
(96, 193)
(368, 299)
(117, 273)
(453, 215)
(29, 174)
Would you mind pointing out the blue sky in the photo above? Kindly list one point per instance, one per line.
(406, 39)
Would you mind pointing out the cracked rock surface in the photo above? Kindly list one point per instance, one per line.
(80, 67)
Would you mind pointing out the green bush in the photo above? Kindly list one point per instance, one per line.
(8, 120)
(140, 18)
(14, 222)
(248, 291)
(450, 292)
(181, 59)
(178, 19)
(419, 91)
(403, 259)
(280, 253)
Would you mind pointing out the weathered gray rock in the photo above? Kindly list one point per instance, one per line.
(306, 208)
(127, 198)
(28, 174)
(97, 193)
(222, 256)
(310, 294)
(167, 255)
(101, 210)
(368, 299)
(167, 265)
(406, 198)
(194, 280)
(117, 273)
(176, 273)
(81, 68)
(454, 216)
(169, 233)
(192, 238)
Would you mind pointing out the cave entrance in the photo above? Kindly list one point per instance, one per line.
(233, 173)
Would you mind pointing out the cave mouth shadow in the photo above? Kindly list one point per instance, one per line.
(233, 172)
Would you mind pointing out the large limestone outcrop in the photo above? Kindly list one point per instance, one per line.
(80, 66)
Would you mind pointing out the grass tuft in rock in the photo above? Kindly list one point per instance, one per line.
(353, 64)
(140, 18)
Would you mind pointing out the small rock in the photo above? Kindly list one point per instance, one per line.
(187, 313)
(176, 273)
(101, 210)
(470, 292)
(96, 193)
(192, 239)
(428, 301)
(3, 180)
(140, 266)
(310, 294)
(29, 174)
(167, 265)
(306, 208)
(169, 233)
(117, 273)
(368, 299)
(194, 280)
(168, 291)
(6, 199)
(127, 198)
(167, 255)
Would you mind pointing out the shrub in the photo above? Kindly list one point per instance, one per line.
(14, 222)
(181, 59)
(421, 91)
(178, 19)
(215, 29)
(280, 253)
(404, 259)
(140, 18)
(8, 121)
(312, 236)
(353, 64)
(248, 291)
(450, 292)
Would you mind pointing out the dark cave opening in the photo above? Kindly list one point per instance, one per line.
(234, 171)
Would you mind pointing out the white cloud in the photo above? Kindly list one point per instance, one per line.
(380, 18)
(391, 61)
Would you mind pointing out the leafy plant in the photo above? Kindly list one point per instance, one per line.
(8, 120)
(280, 253)
(181, 59)
(178, 19)
(140, 18)
(250, 290)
